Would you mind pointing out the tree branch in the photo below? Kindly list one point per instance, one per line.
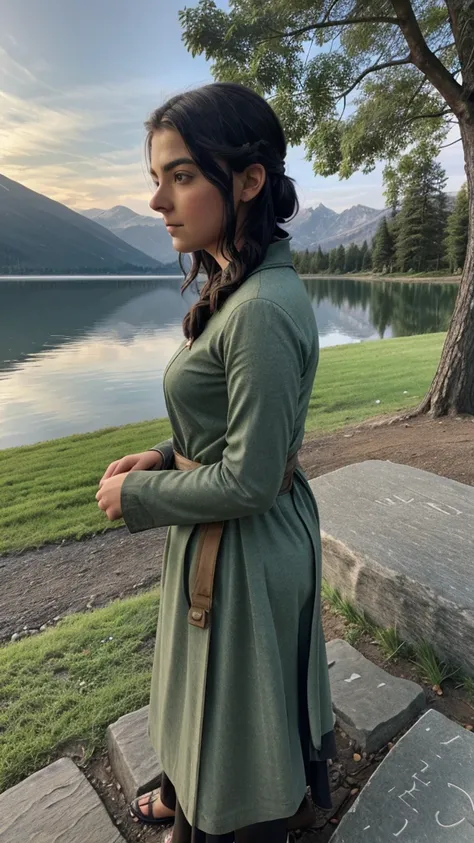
(430, 116)
(445, 145)
(327, 23)
(373, 69)
(425, 60)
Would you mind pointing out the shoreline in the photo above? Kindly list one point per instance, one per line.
(399, 279)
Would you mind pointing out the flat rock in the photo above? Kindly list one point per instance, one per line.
(55, 805)
(132, 757)
(399, 543)
(370, 705)
(423, 791)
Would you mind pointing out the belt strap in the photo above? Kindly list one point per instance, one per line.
(208, 548)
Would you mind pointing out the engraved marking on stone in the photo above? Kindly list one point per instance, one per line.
(401, 830)
(367, 827)
(392, 789)
(453, 825)
(382, 685)
(440, 508)
(446, 743)
(353, 677)
(403, 499)
(463, 791)
(409, 793)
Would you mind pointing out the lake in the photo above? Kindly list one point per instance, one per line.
(80, 354)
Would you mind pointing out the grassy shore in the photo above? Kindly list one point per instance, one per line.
(61, 689)
(47, 490)
(400, 278)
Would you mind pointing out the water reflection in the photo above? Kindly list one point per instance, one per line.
(400, 309)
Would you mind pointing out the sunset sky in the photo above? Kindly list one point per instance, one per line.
(79, 77)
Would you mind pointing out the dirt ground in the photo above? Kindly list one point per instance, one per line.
(41, 585)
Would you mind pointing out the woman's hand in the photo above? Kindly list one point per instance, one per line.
(133, 462)
(109, 494)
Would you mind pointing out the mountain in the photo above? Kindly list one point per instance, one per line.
(323, 227)
(38, 234)
(145, 233)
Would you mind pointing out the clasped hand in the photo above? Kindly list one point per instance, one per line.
(110, 487)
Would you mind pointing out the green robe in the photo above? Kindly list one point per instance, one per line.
(223, 714)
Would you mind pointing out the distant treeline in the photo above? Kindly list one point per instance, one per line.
(420, 236)
(124, 269)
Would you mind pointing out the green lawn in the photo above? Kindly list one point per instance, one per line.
(60, 689)
(47, 491)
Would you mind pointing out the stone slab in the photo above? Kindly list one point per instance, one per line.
(399, 543)
(55, 805)
(131, 754)
(370, 705)
(423, 792)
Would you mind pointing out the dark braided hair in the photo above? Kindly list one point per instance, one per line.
(230, 123)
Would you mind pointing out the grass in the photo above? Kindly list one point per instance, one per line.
(430, 667)
(391, 644)
(65, 686)
(47, 490)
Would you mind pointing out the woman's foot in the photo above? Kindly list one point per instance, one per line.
(149, 808)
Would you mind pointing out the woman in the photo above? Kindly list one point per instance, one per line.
(240, 712)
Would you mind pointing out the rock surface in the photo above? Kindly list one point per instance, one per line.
(399, 543)
(370, 705)
(132, 757)
(55, 805)
(423, 790)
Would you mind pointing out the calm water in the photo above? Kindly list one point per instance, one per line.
(80, 354)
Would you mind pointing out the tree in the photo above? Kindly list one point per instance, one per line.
(421, 223)
(323, 260)
(352, 262)
(383, 249)
(457, 228)
(365, 257)
(333, 261)
(405, 68)
(340, 258)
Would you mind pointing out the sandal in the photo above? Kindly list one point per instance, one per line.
(136, 812)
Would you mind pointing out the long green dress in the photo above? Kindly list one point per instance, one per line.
(225, 705)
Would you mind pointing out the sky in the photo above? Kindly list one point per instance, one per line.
(78, 78)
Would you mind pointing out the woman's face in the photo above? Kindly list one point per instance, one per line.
(192, 208)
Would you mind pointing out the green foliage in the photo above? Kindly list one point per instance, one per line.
(383, 249)
(290, 51)
(353, 258)
(457, 231)
(421, 223)
(365, 257)
(391, 644)
(433, 670)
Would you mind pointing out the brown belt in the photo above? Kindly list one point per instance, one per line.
(208, 547)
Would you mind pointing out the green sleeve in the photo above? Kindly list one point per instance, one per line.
(166, 450)
(263, 355)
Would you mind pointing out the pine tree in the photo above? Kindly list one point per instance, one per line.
(332, 264)
(352, 261)
(457, 230)
(383, 248)
(366, 264)
(323, 260)
(421, 222)
(340, 258)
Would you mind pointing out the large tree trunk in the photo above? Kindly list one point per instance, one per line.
(452, 390)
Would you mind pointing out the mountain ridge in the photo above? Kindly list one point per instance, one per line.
(39, 234)
(313, 227)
